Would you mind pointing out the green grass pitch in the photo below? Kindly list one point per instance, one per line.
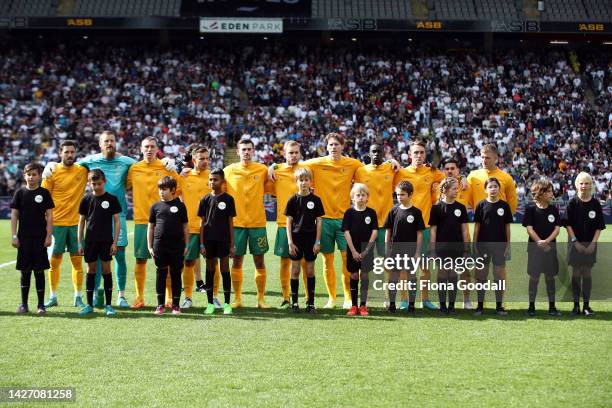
(274, 358)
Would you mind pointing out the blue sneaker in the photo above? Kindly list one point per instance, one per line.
(403, 305)
(86, 310)
(217, 304)
(429, 306)
(78, 302)
(109, 311)
(122, 302)
(51, 302)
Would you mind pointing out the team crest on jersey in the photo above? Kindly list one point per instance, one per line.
(592, 214)
(410, 219)
(368, 220)
(105, 204)
(174, 209)
(457, 212)
(39, 199)
(221, 205)
(310, 205)
(551, 218)
(500, 212)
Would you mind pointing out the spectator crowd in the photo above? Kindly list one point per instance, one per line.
(548, 112)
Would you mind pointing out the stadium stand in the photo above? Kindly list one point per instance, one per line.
(566, 10)
(383, 9)
(29, 8)
(454, 10)
(498, 9)
(534, 106)
(123, 8)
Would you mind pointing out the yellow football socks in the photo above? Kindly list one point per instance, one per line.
(260, 282)
(188, 279)
(140, 276)
(346, 278)
(54, 274)
(329, 274)
(237, 276)
(285, 276)
(77, 272)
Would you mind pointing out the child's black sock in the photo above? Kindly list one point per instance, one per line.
(354, 289)
(227, 286)
(310, 281)
(295, 287)
(108, 288)
(89, 287)
(39, 276)
(26, 277)
(210, 279)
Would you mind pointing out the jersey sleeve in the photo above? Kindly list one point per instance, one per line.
(202, 208)
(508, 214)
(478, 213)
(184, 217)
(129, 178)
(320, 210)
(83, 206)
(420, 222)
(232, 205)
(116, 207)
(433, 216)
(528, 217)
(558, 222)
(601, 223)
(374, 222)
(346, 220)
(389, 220)
(48, 201)
(152, 215)
(16, 201)
(47, 184)
(289, 208)
(464, 215)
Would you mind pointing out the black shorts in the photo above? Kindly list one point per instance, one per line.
(304, 243)
(492, 251)
(575, 258)
(216, 249)
(354, 266)
(541, 262)
(98, 250)
(168, 258)
(32, 254)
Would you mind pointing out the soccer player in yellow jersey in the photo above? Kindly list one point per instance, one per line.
(246, 182)
(333, 176)
(450, 167)
(477, 178)
(142, 178)
(424, 179)
(194, 186)
(284, 187)
(66, 185)
(378, 177)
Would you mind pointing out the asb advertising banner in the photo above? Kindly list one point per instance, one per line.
(241, 25)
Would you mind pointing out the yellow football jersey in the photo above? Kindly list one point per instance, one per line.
(284, 188)
(507, 192)
(332, 183)
(379, 180)
(66, 185)
(422, 179)
(142, 178)
(247, 184)
(193, 188)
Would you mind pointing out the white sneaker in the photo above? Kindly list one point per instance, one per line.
(347, 304)
(217, 304)
(467, 305)
(385, 304)
(331, 304)
(187, 303)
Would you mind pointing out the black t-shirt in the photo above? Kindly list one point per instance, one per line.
(542, 220)
(360, 225)
(32, 206)
(304, 210)
(217, 211)
(492, 218)
(168, 217)
(584, 218)
(98, 212)
(448, 219)
(404, 223)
